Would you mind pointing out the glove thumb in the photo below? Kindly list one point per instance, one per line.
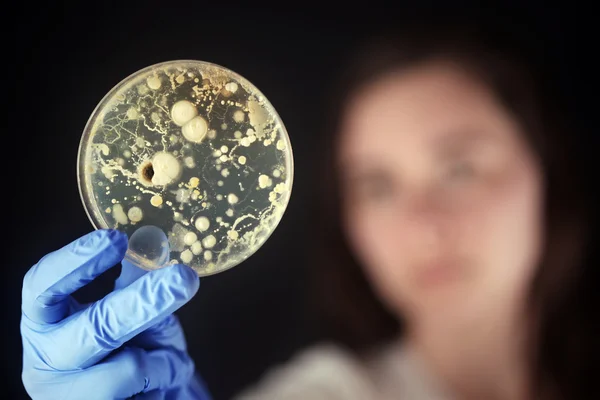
(129, 274)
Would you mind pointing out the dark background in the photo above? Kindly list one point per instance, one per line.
(63, 58)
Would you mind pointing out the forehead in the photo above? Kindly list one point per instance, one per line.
(424, 106)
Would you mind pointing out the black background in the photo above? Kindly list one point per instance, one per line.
(63, 58)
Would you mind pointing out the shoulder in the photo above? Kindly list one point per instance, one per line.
(324, 371)
(329, 372)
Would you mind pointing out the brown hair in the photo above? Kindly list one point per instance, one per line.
(558, 335)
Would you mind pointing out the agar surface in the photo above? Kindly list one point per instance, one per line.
(194, 149)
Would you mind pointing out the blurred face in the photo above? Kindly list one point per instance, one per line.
(442, 196)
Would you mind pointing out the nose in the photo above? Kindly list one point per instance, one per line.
(427, 222)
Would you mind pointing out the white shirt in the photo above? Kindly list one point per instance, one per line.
(327, 372)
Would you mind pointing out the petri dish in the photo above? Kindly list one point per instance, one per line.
(193, 150)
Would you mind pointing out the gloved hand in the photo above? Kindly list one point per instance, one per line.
(128, 343)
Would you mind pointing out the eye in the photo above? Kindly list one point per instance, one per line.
(371, 189)
(459, 171)
(378, 190)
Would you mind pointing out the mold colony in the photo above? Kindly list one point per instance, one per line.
(195, 150)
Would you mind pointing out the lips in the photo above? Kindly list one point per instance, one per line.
(438, 273)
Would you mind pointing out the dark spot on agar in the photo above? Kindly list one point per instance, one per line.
(148, 172)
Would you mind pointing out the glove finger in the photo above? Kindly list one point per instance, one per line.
(49, 283)
(165, 333)
(123, 314)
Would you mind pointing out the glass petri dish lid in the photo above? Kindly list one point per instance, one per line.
(194, 151)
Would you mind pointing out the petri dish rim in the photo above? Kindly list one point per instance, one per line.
(86, 193)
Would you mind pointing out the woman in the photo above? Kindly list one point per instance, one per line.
(453, 232)
(453, 244)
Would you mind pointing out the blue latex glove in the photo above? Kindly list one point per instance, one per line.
(127, 344)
